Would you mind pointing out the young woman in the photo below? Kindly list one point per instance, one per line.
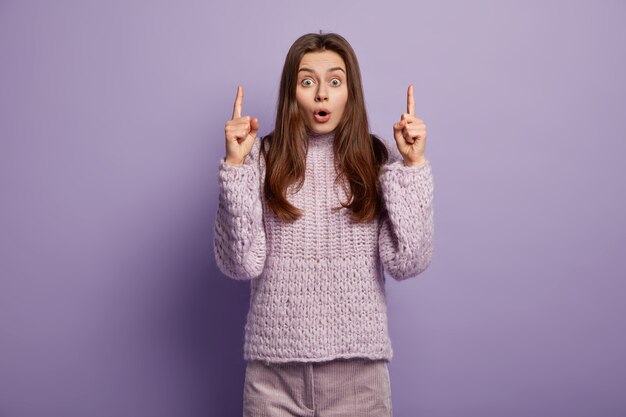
(312, 214)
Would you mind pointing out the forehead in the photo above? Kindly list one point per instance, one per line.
(321, 60)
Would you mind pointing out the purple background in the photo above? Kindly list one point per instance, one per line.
(111, 127)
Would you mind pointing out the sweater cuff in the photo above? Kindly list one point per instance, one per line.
(404, 175)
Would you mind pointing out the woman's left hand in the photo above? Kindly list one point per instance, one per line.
(410, 134)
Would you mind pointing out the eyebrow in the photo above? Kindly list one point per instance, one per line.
(329, 70)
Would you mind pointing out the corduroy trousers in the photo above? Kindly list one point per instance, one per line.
(354, 387)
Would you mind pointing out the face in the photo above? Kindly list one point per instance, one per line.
(322, 87)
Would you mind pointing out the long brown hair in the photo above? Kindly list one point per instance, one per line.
(358, 155)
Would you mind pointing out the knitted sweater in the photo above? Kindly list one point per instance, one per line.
(317, 287)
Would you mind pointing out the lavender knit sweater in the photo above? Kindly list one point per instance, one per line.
(317, 285)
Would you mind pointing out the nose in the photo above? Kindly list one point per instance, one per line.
(321, 94)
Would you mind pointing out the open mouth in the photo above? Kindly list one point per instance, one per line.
(322, 115)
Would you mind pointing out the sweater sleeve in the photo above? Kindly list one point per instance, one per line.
(239, 234)
(405, 237)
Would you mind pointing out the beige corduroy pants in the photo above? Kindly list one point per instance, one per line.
(354, 387)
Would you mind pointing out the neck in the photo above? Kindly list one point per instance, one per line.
(321, 137)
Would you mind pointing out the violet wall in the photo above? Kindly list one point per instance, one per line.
(111, 129)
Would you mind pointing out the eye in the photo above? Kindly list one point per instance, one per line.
(338, 83)
(305, 80)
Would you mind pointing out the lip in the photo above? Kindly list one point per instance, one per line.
(321, 119)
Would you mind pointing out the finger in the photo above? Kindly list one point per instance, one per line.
(412, 133)
(243, 133)
(407, 137)
(399, 125)
(416, 133)
(410, 101)
(239, 121)
(254, 126)
(238, 103)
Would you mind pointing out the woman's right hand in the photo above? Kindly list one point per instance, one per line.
(240, 133)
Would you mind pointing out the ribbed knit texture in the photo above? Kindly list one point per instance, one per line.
(317, 284)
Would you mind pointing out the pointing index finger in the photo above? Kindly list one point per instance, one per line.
(410, 101)
(238, 103)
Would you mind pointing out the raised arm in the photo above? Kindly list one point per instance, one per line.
(405, 236)
(239, 234)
